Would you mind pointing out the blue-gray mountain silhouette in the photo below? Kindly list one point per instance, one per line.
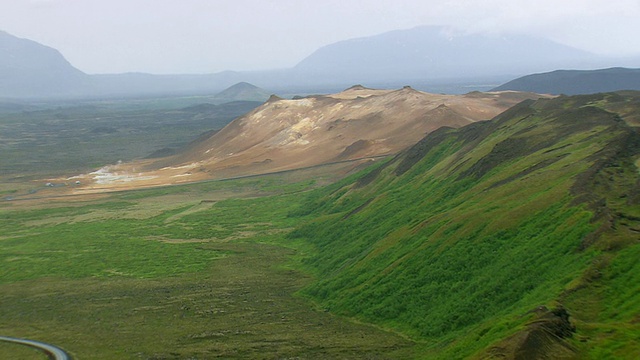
(575, 82)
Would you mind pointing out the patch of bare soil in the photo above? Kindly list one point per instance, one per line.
(286, 134)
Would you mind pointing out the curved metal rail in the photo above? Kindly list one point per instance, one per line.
(54, 352)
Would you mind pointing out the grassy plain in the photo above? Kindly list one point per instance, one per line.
(182, 272)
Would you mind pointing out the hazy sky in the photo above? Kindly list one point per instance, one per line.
(204, 36)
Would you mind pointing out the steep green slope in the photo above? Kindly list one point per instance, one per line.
(457, 241)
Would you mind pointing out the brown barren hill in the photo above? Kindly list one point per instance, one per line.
(287, 134)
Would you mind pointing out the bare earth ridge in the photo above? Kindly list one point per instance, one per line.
(290, 134)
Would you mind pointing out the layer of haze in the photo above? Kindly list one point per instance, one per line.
(206, 36)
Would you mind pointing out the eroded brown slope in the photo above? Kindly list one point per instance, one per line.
(289, 134)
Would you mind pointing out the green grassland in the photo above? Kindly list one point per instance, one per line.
(474, 243)
(184, 272)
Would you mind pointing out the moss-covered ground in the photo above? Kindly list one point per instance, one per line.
(193, 272)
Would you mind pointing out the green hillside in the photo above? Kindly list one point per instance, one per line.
(515, 238)
(479, 241)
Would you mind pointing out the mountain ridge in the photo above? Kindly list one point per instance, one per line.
(431, 58)
(437, 52)
(576, 82)
(29, 69)
(484, 241)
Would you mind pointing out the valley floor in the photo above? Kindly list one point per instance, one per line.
(174, 273)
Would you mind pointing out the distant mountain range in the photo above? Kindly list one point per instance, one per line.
(575, 82)
(434, 53)
(422, 56)
(31, 70)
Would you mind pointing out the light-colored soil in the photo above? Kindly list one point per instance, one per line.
(281, 135)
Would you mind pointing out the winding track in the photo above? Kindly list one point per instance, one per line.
(54, 352)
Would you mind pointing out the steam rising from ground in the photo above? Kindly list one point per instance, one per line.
(110, 174)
